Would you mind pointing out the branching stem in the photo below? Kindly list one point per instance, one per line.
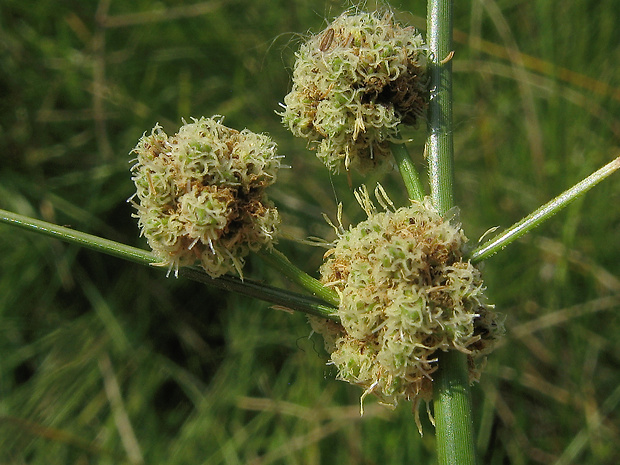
(273, 295)
(279, 261)
(408, 172)
(543, 213)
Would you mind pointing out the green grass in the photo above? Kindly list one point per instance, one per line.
(104, 361)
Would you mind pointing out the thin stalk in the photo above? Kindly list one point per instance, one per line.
(279, 261)
(453, 431)
(543, 213)
(407, 169)
(273, 295)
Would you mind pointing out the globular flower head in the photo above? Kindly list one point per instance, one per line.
(201, 194)
(353, 85)
(405, 294)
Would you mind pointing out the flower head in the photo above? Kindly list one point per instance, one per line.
(201, 194)
(405, 293)
(353, 84)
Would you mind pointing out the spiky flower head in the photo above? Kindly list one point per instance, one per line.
(353, 85)
(201, 194)
(406, 293)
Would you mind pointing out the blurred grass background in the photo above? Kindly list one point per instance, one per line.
(107, 362)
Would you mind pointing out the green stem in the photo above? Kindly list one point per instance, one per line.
(455, 441)
(408, 172)
(543, 213)
(264, 292)
(273, 295)
(439, 146)
(279, 261)
(453, 423)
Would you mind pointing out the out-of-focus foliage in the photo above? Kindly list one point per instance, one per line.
(103, 361)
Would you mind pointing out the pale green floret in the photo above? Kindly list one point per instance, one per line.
(203, 213)
(353, 85)
(201, 194)
(405, 293)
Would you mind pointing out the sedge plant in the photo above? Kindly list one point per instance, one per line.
(400, 303)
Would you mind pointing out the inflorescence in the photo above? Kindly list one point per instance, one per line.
(201, 194)
(405, 293)
(353, 85)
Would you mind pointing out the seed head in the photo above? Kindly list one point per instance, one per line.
(353, 84)
(405, 293)
(201, 194)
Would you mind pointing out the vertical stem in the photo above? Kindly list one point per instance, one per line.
(451, 397)
(439, 146)
(452, 402)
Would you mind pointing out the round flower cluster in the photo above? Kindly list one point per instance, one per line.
(406, 293)
(201, 194)
(353, 84)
